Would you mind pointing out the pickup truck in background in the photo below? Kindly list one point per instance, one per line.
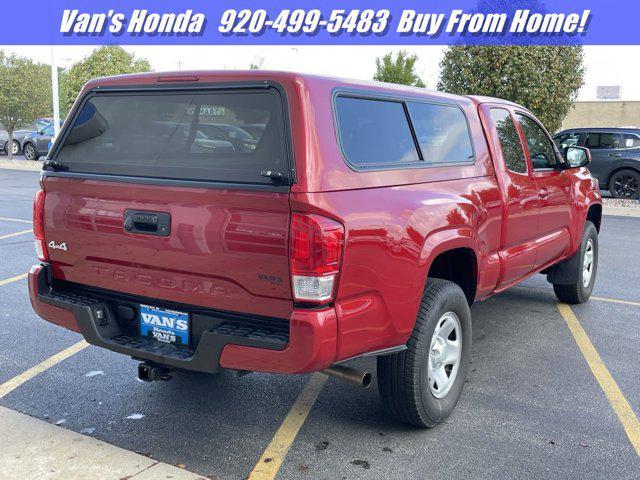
(337, 219)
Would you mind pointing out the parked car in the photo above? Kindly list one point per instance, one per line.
(19, 135)
(615, 154)
(366, 221)
(36, 144)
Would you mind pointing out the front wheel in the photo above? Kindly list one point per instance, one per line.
(625, 184)
(30, 152)
(422, 384)
(585, 267)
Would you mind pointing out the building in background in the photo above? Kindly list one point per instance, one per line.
(608, 111)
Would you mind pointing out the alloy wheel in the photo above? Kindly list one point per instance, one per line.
(29, 152)
(626, 186)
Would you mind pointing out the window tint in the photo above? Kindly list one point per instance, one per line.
(442, 131)
(630, 140)
(566, 140)
(539, 145)
(375, 132)
(186, 135)
(510, 144)
(603, 140)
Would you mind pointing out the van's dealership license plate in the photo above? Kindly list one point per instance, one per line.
(164, 325)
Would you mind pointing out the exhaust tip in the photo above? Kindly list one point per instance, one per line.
(349, 375)
(366, 380)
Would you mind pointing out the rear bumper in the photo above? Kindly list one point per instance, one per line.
(310, 345)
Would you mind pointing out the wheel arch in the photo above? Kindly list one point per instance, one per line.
(594, 215)
(453, 255)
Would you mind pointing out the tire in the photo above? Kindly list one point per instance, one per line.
(16, 147)
(405, 388)
(625, 184)
(580, 291)
(30, 152)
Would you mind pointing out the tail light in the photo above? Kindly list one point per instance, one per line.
(315, 255)
(38, 226)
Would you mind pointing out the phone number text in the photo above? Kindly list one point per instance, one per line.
(299, 21)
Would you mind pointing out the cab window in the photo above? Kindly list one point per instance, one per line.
(539, 145)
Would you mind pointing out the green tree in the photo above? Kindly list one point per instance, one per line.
(104, 61)
(544, 79)
(399, 70)
(25, 93)
(257, 63)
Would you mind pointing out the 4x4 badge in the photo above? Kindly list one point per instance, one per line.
(59, 246)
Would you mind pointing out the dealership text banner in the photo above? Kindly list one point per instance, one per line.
(211, 22)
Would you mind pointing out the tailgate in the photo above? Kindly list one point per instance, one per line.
(163, 195)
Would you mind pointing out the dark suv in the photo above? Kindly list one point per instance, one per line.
(615, 154)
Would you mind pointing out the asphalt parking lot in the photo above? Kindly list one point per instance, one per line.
(532, 406)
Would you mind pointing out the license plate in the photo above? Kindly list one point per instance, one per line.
(164, 325)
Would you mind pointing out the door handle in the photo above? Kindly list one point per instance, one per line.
(615, 154)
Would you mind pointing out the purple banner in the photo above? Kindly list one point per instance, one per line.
(400, 22)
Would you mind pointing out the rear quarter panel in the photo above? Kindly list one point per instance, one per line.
(396, 221)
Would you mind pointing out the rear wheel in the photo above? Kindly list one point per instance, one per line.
(422, 384)
(30, 152)
(625, 184)
(16, 147)
(587, 266)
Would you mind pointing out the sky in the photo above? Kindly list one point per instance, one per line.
(605, 65)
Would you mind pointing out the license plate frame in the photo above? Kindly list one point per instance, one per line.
(165, 325)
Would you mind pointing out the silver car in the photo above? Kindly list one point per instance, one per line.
(20, 135)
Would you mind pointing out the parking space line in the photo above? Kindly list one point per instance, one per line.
(18, 380)
(13, 279)
(272, 458)
(7, 219)
(615, 300)
(616, 398)
(15, 234)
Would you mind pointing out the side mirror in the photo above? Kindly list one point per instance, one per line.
(577, 156)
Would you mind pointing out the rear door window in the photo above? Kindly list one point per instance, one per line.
(191, 135)
(375, 132)
(442, 132)
(603, 140)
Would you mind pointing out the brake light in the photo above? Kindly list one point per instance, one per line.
(315, 255)
(38, 226)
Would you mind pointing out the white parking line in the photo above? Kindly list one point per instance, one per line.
(7, 219)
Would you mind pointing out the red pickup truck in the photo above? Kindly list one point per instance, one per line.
(277, 222)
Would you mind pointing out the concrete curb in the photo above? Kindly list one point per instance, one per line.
(620, 211)
(32, 448)
(7, 165)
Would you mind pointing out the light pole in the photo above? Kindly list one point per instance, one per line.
(54, 93)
